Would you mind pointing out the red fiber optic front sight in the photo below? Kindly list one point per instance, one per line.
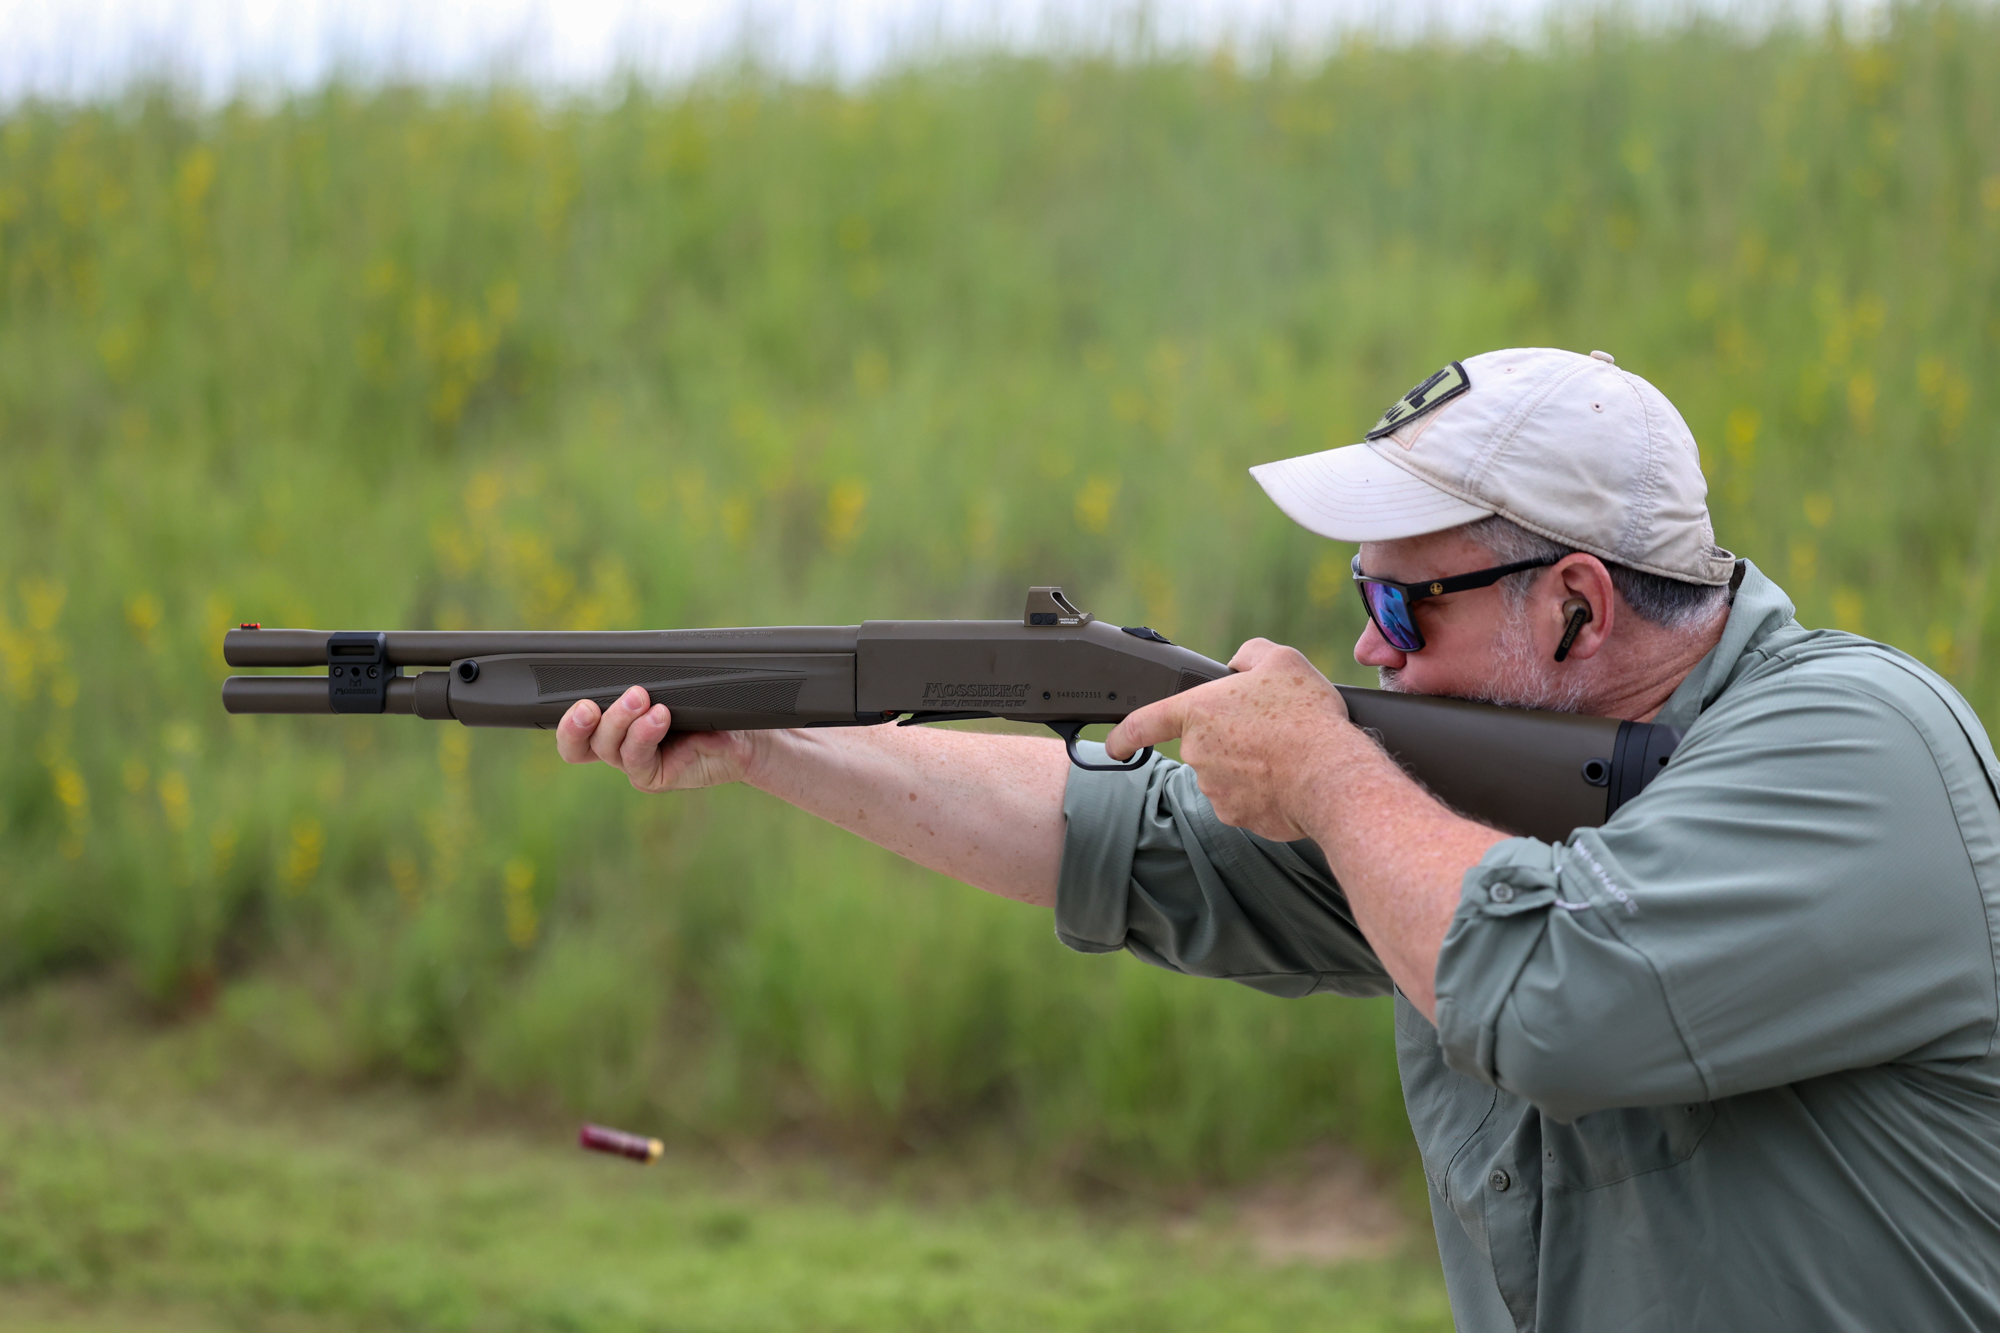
(618, 1143)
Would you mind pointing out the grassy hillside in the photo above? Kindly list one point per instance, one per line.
(760, 351)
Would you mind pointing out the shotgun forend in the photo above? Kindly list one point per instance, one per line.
(1529, 772)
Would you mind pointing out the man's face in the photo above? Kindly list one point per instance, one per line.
(1475, 645)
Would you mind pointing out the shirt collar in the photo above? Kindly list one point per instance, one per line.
(1759, 609)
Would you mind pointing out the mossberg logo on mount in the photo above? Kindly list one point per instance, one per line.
(938, 689)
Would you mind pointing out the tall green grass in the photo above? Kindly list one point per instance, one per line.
(764, 351)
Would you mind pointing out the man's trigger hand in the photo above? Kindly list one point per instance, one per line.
(1252, 737)
(1155, 724)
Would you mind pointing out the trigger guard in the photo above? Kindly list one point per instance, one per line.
(1069, 731)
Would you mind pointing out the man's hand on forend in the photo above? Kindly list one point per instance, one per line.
(631, 736)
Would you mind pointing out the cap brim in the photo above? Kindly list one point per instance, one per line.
(1353, 494)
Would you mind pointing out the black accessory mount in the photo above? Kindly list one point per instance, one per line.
(358, 671)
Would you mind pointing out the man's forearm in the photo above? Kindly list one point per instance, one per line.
(981, 808)
(1398, 854)
(1273, 750)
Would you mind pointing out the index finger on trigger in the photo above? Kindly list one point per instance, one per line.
(1154, 724)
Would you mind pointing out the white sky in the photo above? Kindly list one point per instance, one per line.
(68, 48)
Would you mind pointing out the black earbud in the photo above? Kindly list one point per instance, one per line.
(1578, 612)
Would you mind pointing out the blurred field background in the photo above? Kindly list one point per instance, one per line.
(760, 349)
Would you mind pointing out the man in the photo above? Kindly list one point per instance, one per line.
(1728, 1062)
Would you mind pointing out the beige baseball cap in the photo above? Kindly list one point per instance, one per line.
(1563, 444)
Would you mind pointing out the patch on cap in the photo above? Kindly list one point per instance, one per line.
(1434, 392)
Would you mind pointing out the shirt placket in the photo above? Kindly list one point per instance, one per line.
(1511, 1203)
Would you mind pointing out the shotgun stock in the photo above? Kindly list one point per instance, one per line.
(1537, 773)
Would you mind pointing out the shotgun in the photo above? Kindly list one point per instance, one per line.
(1524, 771)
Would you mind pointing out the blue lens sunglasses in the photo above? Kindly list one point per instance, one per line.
(1389, 604)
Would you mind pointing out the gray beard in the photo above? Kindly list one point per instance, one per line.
(1522, 678)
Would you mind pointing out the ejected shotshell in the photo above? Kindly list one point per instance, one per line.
(599, 1138)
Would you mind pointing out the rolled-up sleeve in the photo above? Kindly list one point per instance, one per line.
(1149, 868)
(1807, 888)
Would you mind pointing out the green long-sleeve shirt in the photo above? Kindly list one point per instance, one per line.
(1727, 1062)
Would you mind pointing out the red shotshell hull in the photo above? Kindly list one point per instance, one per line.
(599, 1138)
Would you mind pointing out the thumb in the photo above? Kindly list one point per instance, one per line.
(1252, 654)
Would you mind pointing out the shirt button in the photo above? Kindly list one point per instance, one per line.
(1501, 893)
(1499, 1180)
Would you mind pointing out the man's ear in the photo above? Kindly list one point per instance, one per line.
(1581, 589)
